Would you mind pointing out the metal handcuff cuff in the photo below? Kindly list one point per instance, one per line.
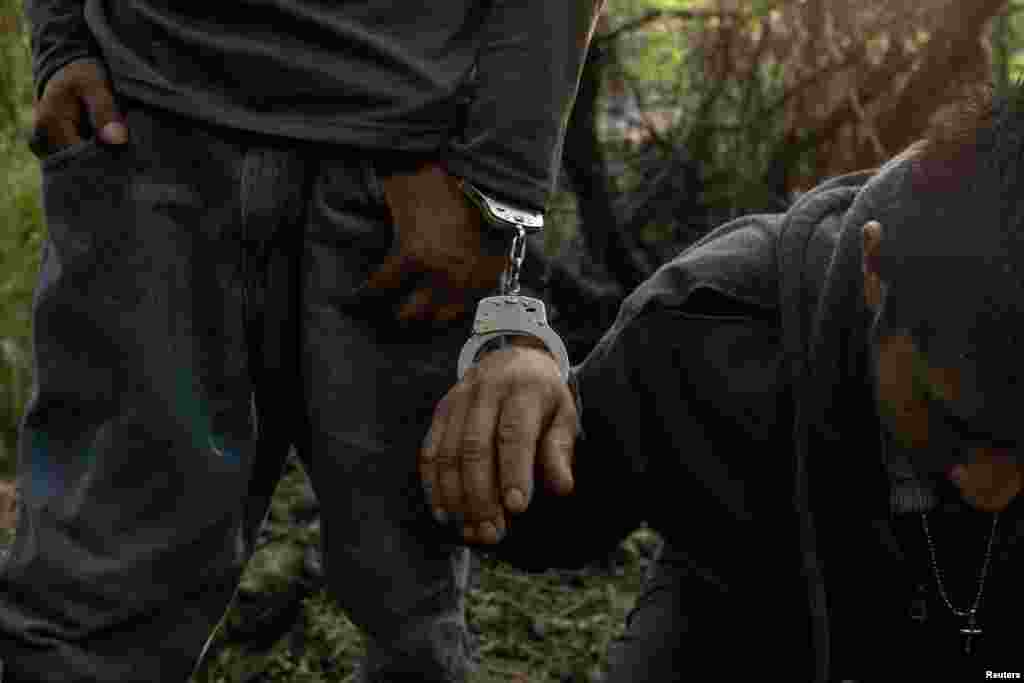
(510, 313)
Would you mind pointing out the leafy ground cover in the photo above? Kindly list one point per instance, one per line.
(554, 626)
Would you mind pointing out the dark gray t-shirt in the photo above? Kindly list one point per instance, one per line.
(377, 75)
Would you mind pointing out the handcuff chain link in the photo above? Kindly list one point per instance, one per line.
(509, 314)
(516, 254)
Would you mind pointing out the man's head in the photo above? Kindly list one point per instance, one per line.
(944, 274)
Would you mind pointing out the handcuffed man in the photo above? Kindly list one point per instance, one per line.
(257, 241)
(818, 410)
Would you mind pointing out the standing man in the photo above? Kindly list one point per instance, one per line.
(820, 412)
(259, 239)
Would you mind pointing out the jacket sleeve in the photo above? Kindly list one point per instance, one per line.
(614, 458)
(528, 70)
(677, 407)
(59, 35)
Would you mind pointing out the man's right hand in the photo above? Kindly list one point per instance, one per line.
(76, 103)
(509, 421)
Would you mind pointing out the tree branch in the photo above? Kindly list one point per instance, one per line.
(656, 15)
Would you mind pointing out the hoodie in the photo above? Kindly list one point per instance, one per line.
(750, 440)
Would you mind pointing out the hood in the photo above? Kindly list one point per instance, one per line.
(838, 459)
(805, 266)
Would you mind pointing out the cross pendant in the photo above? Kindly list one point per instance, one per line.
(970, 632)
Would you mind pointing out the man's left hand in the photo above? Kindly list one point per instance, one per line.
(990, 480)
(440, 247)
(508, 424)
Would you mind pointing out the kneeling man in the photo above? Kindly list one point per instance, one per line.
(819, 411)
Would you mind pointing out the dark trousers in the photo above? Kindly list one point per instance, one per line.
(192, 323)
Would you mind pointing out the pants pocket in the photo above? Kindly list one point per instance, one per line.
(68, 156)
(84, 194)
(349, 236)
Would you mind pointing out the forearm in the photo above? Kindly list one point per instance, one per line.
(529, 66)
(59, 35)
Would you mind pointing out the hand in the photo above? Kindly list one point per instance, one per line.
(990, 480)
(76, 102)
(440, 244)
(509, 419)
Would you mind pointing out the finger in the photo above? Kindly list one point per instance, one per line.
(556, 450)
(487, 272)
(449, 466)
(428, 460)
(519, 428)
(38, 141)
(103, 112)
(390, 274)
(488, 532)
(57, 122)
(450, 312)
(454, 305)
(419, 306)
(481, 498)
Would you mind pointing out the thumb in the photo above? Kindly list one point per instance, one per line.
(391, 273)
(103, 112)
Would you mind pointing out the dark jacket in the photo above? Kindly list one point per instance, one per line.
(484, 85)
(731, 408)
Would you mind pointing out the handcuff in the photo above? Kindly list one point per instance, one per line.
(509, 313)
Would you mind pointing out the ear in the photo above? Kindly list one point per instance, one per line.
(871, 234)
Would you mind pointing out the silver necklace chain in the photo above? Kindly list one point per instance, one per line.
(969, 613)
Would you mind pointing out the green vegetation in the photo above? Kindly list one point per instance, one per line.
(546, 627)
(554, 626)
(21, 226)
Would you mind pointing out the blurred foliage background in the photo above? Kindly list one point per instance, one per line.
(21, 225)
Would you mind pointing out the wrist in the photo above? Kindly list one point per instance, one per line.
(499, 318)
(521, 341)
(51, 68)
(526, 342)
(520, 350)
(500, 214)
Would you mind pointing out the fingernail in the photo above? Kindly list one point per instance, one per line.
(114, 133)
(441, 516)
(490, 533)
(514, 499)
